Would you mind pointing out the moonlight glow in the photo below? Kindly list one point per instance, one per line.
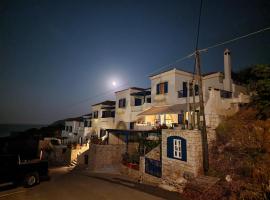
(114, 83)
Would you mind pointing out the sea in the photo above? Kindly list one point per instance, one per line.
(6, 129)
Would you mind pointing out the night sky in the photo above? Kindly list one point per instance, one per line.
(59, 57)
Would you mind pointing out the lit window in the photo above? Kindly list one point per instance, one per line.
(177, 153)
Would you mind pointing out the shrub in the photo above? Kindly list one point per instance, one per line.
(242, 150)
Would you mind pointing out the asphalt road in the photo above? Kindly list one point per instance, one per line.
(70, 185)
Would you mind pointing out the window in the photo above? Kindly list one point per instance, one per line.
(95, 114)
(225, 94)
(122, 103)
(177, 146)
(70, 129)
(196, 90)
(107, 113)
(148, 100)
(180, 118)
(191, 90)
(162, 88)
(85, 124)
(67, 127)
(112, 113)
(184, 89)
(131, 125)
(138, 102)
(90, 123)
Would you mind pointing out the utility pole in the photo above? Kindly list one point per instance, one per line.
(193, 103)
(202, 115)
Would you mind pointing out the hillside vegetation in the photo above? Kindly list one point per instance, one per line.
(240, 156)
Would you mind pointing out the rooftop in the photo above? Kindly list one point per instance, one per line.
(134, 88)
(174, 68)
(107, 103)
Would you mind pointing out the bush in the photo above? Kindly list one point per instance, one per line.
(242, 150)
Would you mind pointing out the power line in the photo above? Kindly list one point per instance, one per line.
(210, 47)
(169, 65)
(237, 38)
(178, 60)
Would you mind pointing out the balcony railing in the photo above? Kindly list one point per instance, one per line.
(143, 127)
(141, 107)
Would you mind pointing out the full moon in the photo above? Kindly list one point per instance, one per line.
(114, 83)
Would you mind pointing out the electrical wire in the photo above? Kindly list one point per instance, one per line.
(235, 39)
(178, 60)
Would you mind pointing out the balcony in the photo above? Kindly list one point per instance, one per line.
(141, 107)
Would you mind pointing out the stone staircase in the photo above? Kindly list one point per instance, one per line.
(77, 152)
(73, 163)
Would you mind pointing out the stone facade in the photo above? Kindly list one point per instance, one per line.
(173, 168)
(104, 158)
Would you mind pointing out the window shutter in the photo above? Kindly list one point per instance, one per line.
(124, 103)
(184, 149)
(166, 87)
(158, 89)
(170, 147)
(184, 89)
(119, 103)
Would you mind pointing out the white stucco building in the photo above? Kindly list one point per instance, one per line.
(129, 103)
(103, 117)
(168, 102)
(172, 96)
(77, 129)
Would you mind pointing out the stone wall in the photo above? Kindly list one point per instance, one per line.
(173, 168)
(105, 157)
(114, 139)
(132, 173)
(57, 156)
(133, 147)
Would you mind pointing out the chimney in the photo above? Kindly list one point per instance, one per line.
(227, 81)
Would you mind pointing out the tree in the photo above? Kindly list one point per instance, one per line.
(261, 97)
(257, 79)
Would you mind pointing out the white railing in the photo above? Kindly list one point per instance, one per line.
(143, 127)
(141, 107)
